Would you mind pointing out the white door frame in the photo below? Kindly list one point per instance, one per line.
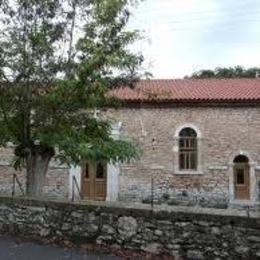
(252, 179)
(112, 173)
(112, 181)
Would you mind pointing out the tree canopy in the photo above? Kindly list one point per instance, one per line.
(58, 60)
(231, 72)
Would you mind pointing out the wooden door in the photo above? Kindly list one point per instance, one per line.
(241, 181)
(94, 181)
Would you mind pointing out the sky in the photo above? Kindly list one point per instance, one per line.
(183, 36)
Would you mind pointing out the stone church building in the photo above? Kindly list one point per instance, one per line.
(199, 142)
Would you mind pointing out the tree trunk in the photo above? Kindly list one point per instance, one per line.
(37, 166)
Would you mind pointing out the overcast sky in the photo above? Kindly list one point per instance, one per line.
(182, 36)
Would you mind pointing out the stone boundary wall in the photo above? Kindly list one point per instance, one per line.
(193, 233)
(56, 183)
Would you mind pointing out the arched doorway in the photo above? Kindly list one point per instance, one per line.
(94, 180)
(241, 178)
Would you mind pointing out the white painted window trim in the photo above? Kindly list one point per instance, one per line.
(218, 167)
(176, 163)
(183, 172)
(188, 125)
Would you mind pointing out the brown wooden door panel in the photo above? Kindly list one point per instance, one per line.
(100, 181)
(86, 189)
(94, 181)
(100, 190)
(86, 180)
(241, 181)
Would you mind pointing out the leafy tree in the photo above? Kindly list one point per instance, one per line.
(203, 74)
(231, 72)
(58, 60)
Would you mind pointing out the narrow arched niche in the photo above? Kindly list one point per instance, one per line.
(241, 159)
(241, 177)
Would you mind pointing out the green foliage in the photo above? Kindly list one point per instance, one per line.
(231, 72)
(58, 60)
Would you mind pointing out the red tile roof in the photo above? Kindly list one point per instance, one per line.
(191, 90)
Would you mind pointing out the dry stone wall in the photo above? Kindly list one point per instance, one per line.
(191, 233)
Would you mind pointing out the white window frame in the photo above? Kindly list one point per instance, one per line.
(176, 162)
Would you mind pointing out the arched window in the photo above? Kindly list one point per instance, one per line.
(188, 149)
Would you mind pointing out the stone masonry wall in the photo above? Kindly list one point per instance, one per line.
(191, 233)
(225, 132)
(56, 182)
